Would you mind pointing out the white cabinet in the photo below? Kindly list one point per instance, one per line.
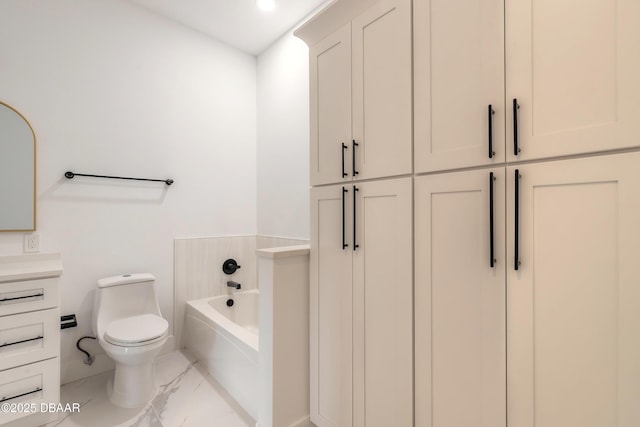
(460, 299)
(331, 308)
(361, 304)
(382, 90)
(330, 107)
(573, 349)
(573, 67)
(570, 70)
(29, 336)
(458, 73)
(360, 94)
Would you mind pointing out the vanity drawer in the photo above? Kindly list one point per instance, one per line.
(28, 295)
(29, 386)
(29, 337)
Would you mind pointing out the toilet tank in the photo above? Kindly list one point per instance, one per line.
(123, 296)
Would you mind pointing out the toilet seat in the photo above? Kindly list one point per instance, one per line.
(136, 330)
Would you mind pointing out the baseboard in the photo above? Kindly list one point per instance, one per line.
(302, 422)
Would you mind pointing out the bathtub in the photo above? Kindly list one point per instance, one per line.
(225, 341)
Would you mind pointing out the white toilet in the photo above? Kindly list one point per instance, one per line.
(131, 330)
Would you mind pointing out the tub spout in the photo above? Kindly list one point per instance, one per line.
(233, 284)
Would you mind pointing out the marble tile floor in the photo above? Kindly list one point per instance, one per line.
(188, 397)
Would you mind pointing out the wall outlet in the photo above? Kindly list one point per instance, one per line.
(31, 243)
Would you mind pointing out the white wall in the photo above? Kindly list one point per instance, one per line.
(283, 139)
(112, 89)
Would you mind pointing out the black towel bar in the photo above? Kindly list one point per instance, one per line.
(70, 175)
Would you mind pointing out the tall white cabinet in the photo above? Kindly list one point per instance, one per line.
(524, 172)
(361, 337)
(524, 301)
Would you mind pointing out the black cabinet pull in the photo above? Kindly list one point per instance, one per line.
(353, 158)
(491, 247)
(344, 237)
(7, 344)
(26, 296)
(516, 263)
(4, 399)
(344, 148)
(355, 241)
(516, 107)
(490, 113)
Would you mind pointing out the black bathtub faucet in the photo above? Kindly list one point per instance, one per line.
(233, 284)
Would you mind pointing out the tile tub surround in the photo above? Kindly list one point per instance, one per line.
(187, 397)
(198, 268)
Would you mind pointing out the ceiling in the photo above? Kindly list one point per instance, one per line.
(238, 23)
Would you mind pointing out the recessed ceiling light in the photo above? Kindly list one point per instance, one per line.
(266, 5)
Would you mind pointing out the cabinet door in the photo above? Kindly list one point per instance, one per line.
(460, 344)
(330, 108)
(331, 299)
(458, 74)
(382, 90)
(382, 310)
(573, 320)
(573, 67)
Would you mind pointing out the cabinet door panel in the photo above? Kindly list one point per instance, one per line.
(383, 374)
(382, 89)
(459, 301)
(330, 311)
(330, 106)
(574, 350)
(458, 72)
(573, 66)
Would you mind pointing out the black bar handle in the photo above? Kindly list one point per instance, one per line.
(344, 148)
(490, 113)
(7, 344)
(355, 241)
(26, 296)
(353, 158)
(70, 175)
(491, 246)
(4, 399)
(516, 107)
(344, 237)
(516, 262)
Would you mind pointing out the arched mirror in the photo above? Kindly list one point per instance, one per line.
(17, 171)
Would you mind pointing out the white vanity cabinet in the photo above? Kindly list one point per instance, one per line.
(561, 78)
(361, 304)
(29, 337)
(361, 97)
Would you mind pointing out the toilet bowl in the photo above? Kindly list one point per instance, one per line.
(129, 327)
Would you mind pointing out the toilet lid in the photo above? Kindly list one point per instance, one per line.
(136, 330)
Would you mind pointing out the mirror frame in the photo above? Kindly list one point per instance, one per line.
(34, 170)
